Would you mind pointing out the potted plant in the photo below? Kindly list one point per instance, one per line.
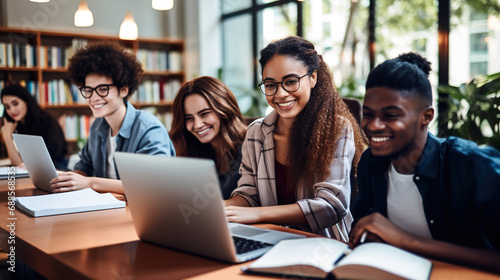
(474, 110)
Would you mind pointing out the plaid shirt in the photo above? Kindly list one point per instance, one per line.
(325, 204)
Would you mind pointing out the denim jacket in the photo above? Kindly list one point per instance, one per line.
(460, 188)
(141, 132)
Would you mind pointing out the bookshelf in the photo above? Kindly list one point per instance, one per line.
(37, 59)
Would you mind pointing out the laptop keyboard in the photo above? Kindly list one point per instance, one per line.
(244, 245)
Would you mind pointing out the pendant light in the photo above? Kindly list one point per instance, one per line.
(40, 1)
(162, 5)
(83, 16)
(128, 28)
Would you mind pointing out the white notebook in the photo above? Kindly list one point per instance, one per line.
(7, 172)
(67, 202)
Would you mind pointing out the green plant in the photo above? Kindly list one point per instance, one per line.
(252, 102)
(474, 110)
(352, 87)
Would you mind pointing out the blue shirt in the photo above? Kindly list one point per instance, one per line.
(141, 132)
(460, 188)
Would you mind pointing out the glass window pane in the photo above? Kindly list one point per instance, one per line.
(275, 23)
(475, 15)
(342, 46)
(238, 59)
(478, 68)
(229, 6)
(474, 42)
(478, 44)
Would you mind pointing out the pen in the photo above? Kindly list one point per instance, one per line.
(363, 237)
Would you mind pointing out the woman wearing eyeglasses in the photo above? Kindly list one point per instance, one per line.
(107, 76)
(297, 160)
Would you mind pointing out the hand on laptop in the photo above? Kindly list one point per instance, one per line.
(70, 181)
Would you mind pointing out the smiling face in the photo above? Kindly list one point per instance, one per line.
(109, 106)
(15, 107)
(395, 126)
(200, 119)
(288, 104)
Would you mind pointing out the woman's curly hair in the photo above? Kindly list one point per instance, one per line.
(316, 130)
(222, 101)
(108, 59)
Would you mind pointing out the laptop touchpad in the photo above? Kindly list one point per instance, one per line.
(246, 231)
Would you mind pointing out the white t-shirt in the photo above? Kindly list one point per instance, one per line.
(110, 148)
(404, 204)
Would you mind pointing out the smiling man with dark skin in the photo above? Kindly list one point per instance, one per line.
(439, 198)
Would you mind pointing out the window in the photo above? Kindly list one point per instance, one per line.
(229, 6)
(248, 26)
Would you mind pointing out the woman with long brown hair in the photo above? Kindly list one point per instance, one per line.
(297, 160)
(207, 123)
(23, 115)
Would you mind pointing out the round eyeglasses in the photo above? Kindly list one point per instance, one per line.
(101, 90)
(290, 84)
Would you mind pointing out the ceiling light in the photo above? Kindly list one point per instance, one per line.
(83, 16)
(162, 5)
(128, 28)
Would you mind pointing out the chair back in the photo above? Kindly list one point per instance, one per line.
(355, 106)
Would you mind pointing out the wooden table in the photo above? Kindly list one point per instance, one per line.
(104, 245)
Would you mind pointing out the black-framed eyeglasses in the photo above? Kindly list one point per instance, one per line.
(101, 90)
(290, 84)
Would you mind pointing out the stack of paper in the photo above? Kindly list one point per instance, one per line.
(68, 202)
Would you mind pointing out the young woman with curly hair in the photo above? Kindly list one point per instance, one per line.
(207, 123)
(297, 160)
(107, 75)
(23, 115)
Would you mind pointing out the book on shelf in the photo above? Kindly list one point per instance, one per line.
(174, 61)
(42, 58)
(55, 57)
(319, 257)
(9, 57)
(31, 86)
(60, 92)
(153, 60)
(67, 202)
(164, 117)
(17, 55)
(3, 54)
(76, 127)
(154, 91)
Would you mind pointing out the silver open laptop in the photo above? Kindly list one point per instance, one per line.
(37, 159)
(176, 202)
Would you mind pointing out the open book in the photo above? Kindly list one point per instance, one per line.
(68, 202)
(317, 257)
